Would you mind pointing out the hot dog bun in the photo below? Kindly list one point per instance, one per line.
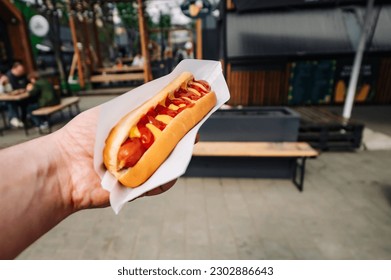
(156, 154)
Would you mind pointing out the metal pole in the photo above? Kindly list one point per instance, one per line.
(144, 42)
(75, 44)
(57, 49)
(347, 110)
(161, 38)
(199, 38)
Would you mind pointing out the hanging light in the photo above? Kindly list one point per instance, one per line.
(99, 22)
(80, 16)
(196, 8)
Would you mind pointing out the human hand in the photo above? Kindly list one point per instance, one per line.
(80, 183)
(29, 87)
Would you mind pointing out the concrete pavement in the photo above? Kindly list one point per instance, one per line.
(343, 213)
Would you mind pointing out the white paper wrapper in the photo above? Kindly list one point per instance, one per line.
(177, 162)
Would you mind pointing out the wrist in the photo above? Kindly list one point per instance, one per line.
(59, 168)
(55, 177)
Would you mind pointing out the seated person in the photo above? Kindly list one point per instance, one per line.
(41, 94)
(18, 80)
(5, 86)
(17, 76)
(138, 60)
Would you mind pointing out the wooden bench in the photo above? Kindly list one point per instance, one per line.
(66, 102)
(298, 151)
(106, 78)
(116, 70)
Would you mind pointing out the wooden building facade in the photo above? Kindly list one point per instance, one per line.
(296, 56)
(14, 39)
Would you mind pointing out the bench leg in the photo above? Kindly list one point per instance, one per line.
(77, 108)
(49, 123)
(5, 119)
(5, 124)
(299, 167)
(26, 129)
(47, 119)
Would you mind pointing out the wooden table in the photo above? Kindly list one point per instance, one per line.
(13, 97)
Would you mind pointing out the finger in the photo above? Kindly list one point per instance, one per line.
(153, 192)
(161, 189)
(197, 138)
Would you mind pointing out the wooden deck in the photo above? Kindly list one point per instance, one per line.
(325, 130)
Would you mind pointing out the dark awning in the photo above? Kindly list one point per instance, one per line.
(251, 5)
(303, 32)
(382, 35)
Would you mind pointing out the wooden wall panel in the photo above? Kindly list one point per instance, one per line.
(270, 87)
(383, 87)
(258, 88)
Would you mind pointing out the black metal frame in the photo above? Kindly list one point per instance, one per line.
(299, 167)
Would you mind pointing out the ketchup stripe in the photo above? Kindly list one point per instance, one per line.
(147, 138)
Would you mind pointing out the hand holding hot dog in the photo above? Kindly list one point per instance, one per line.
(76, 141)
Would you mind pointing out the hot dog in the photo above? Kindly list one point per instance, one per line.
(143, 139)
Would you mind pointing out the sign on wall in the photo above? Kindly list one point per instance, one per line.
(311, 82)
(39, 26)
(365, 91)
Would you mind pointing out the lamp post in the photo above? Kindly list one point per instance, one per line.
(347, 109)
